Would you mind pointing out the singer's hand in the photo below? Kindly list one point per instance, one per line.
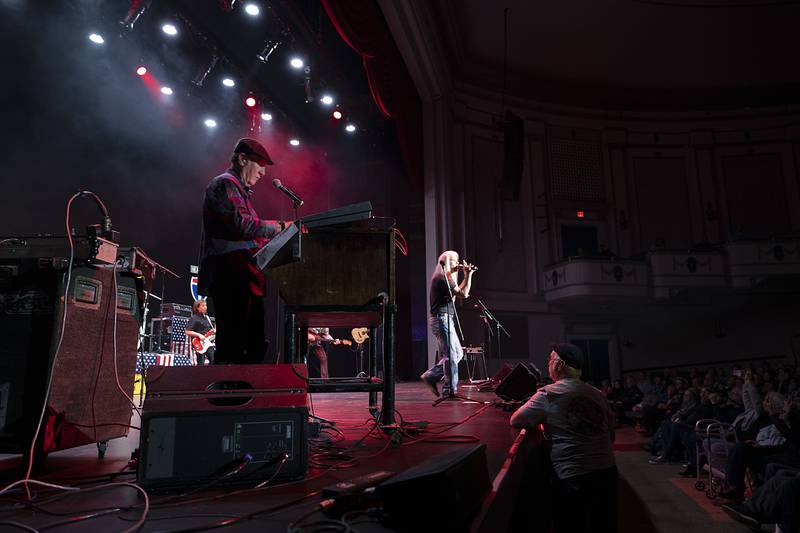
(468, 267)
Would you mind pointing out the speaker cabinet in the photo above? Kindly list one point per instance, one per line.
(520, 383)
(255, 410)
(443, 492)
(98, 346)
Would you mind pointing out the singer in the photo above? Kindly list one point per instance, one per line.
(444, 289)
(232, 232)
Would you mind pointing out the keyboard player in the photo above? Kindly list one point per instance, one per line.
(232, 232)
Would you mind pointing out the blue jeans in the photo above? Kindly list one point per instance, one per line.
(443, 328)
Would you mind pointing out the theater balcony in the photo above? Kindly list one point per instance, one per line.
(673, 272)
(751, 263)
(580, 278)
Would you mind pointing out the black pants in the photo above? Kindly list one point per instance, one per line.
(240, 326)
(201, 357)
(586, 503)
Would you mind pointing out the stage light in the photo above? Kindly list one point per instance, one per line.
(350, 128)
(169, 29)
(266, 116)
(227, 82)
(136, 10)
(141, 71)
(296, 62)
(337, 114)
(210, 123)
(166, 90)
(250, 101)
(326, 99)
(96, 38)
(269, 47)
(252, 10)
(294, 142)
(205, 70)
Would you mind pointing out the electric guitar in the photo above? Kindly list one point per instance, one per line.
(360, 335)
(201, 346)
(318, 338)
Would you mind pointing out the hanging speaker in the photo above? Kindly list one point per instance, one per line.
(513, 155)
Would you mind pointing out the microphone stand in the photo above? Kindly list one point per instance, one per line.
(489, 320)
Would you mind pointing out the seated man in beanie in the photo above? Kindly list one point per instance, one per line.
(232, 232)
(580, 425)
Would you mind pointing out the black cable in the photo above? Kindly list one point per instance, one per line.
(18, 525)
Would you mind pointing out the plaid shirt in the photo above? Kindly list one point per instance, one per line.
(232, 230)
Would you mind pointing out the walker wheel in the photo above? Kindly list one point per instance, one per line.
(711, 493)
(699, 485)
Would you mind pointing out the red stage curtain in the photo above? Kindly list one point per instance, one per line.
(362, 26)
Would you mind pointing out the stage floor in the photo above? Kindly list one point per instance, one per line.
(365, 448)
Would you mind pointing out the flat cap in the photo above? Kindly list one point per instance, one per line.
(570, 354)
(253, 150)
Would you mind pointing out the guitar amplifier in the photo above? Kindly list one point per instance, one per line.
(173, 309)
(196, 420)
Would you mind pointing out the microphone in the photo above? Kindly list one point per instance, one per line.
(288, 192)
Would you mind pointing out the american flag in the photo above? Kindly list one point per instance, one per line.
(148, 359)
(179, 343)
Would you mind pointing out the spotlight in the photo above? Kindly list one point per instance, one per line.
(210, 123)
(350, 128)
(96, 38)
(252, 10)
(204, 71)
(166, 90)
(250, 101)
(266, 116)
(169, 29)
(227, 82)
(337, 114)
(269, 47)
(141, 71)
(296, 62)
(136, 10)
(326, 99)
(294, 142)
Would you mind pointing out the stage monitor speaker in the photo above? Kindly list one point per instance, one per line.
(239, 410)
(513, 155)
(85, 404)
(520, 383)
(456, 481)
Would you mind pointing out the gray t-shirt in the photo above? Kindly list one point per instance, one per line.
(578, 421)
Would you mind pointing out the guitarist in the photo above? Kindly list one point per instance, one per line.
(317, 337)
(199, 327)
